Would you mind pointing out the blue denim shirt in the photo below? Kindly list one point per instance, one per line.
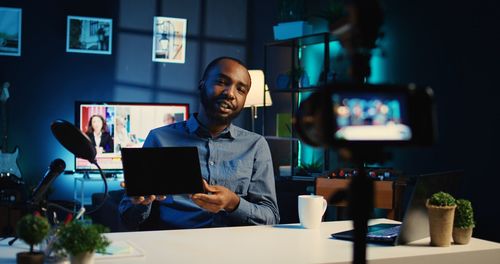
(237, 159)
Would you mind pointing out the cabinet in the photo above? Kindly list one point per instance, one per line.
(388, 195)
(294, 68)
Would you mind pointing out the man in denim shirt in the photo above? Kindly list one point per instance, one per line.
(236, 164)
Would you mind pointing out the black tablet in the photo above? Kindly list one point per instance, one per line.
(161, 171)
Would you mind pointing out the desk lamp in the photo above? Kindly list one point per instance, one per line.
(259, 95)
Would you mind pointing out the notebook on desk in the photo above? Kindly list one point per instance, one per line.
(415, 225)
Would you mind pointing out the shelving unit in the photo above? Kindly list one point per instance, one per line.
(286, 100)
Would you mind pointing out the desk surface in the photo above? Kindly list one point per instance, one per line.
(276, 244)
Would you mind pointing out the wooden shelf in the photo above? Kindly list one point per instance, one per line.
(304, 40)
(281, 138)
(300, 90)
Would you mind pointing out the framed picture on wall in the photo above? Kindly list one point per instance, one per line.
(89, 35)
(10, 31)
(169, 40)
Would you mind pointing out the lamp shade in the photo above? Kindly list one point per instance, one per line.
(256, 95)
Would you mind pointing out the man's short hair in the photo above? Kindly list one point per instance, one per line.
(216, 61)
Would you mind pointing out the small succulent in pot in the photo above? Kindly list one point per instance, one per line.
(32, 229)
(81, 241)
(464, 222)
(441, 210)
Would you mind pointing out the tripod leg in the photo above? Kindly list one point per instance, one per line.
(361, 205)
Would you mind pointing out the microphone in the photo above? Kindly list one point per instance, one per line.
(56, 167)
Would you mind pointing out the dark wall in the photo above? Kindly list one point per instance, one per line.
(454, 49)
(46, 80)
(448, 46)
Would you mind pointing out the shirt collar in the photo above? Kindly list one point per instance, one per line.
(194, 126)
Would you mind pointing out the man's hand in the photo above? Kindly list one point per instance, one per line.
(144, 200)
(220, 198)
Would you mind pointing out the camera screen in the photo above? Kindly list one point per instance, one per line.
(364, 116)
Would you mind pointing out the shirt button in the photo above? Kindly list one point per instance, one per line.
(211, 163)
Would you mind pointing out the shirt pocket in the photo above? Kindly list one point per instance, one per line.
(236, 176)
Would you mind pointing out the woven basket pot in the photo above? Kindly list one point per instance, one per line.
(462, 236)
(440, 224)
(30, 258)
(83, 258)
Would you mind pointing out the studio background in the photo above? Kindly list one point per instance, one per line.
(448, 46)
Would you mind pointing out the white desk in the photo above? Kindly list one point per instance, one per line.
(282, 244)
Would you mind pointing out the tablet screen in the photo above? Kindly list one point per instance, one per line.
(161, 171)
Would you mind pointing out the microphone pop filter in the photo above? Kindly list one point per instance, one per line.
(73, 139)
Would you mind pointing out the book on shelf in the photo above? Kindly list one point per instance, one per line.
(284, 125)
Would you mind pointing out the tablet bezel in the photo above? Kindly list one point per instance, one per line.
(146, 171)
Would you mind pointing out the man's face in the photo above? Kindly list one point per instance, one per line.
(224, 91)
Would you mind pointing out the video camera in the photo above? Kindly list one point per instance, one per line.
(364, 115)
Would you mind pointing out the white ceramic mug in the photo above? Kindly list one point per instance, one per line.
(311, 210)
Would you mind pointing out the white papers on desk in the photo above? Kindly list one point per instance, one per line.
(120, 249)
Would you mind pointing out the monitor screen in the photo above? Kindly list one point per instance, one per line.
(365, 116)
(112, 126)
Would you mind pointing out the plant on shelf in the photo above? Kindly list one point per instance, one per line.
(463, 223)
(335, 13)
(291, 10)
(32, 229)
(81, 241)
(291, 24)
(310, 168)
(441, 209)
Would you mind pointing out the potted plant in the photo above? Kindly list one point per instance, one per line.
(441, 209)
(335, 13)
(32, 229)
(81, 241)
(310, 169)
(463, 223)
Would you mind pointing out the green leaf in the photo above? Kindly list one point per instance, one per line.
(442, 199)
(464, 215)
(32, 229)
(76, 238)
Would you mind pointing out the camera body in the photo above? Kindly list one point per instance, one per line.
(364, 115)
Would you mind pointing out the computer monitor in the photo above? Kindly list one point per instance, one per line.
(123, 125)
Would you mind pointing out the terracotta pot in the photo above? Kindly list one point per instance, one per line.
(440, 224)
(36, 257)
(82, 258)
(462, 236)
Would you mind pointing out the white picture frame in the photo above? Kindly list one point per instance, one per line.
(169, 39)
(10, 31)
(89, 35)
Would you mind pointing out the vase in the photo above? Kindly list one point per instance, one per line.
(440, 224)
(462, 236)
(30, 257)
(82, 258)
(283, 81)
